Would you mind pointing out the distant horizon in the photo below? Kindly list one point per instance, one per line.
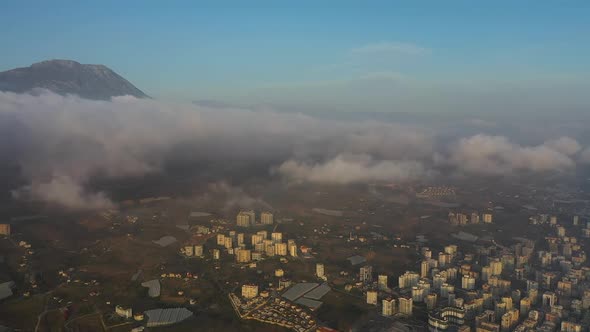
(337, 56)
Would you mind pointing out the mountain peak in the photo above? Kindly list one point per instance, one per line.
(69, 77)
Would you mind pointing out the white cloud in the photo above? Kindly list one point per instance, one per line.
(64, 142)
(483, 154)
(344, 169)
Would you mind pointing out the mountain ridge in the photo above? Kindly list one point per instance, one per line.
(61, 76)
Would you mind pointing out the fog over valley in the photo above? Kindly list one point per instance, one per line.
(61, 143)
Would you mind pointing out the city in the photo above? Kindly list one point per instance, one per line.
(294, 166)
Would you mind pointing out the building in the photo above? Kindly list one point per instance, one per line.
(220, 240)
(525, 306)
(276, 237)
(444, 259)
(372, 297)
(444, 318)
(169, 316)
(228, 244)
(256, 239)
(496, 267)
(249, 291)
(5, 229)
(549, 299)
(431, 301)
(240, 239)
(366, 273)
(216, 254)
(319, 270)
(474, 219)
(382, 282)
(243, 219)
(198, 250)
(418, 294)
(468, 282)
(408, 279)
(388, 307)
(281, 249)
(123, 312)
(243, 256)
(567, 326)
(292, 249)
(424, 269)
(266, 218)
(487, 218)
(406, 305)
(189, 251)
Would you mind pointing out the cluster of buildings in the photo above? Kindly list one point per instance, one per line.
(248, 218)
(192, 250)
(433, 192)
(462, 219)
(256, 246)
(272, 310)
(390, 305)
(527, 286)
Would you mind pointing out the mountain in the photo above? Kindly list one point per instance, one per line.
(69, 77)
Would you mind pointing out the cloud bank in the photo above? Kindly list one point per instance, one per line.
(62, 143)
(483, 154)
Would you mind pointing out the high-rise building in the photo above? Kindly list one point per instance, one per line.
(408, 279)
(372, 297)
(256, 239)
(240, 239)
(220, 240)
(418, 294)
(496, 267)
(319, 270)
(281, 249)
(468, 282)
(366, 273)
(431, 301)
(292, 248)
(487, 218)
(388, 307)
(382, 282)
(270, 250)
(266, 218)
(252, 215)
(406, 305)
(276, 237)
(216, 254)
(228, 243)
(424, 268)
(243, 219)
(243, 256)
(444, 259)
(249, 291)
(525, 306)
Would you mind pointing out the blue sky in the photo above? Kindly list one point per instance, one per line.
(341, 55)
